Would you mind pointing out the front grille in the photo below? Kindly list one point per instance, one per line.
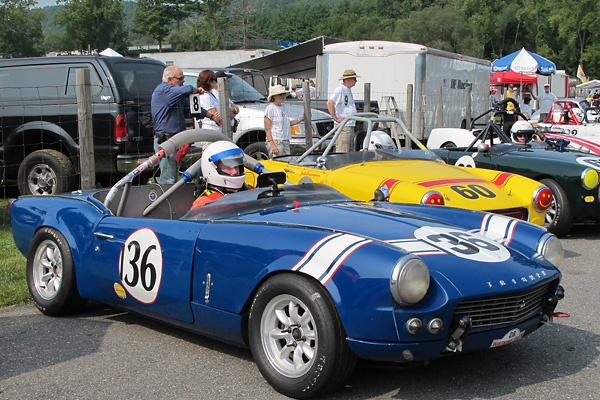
(518, 213)
(495, 312)
(324, 127)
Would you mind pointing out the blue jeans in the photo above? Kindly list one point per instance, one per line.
(168, 167)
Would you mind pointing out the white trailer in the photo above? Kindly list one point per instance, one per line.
(439, 80)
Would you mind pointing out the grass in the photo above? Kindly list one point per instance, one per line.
(13, 284)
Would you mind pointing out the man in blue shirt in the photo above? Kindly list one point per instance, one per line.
(170, 107)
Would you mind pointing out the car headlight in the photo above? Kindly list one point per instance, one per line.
(410, 280)
(589, 178)
(551, 249)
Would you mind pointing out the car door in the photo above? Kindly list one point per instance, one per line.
(146, 264)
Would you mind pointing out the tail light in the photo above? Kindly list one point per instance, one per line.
(121, 130)
(8, 204)
(433, 197)
(542, 198)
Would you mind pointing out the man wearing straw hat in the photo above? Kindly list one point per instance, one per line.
(340, 105)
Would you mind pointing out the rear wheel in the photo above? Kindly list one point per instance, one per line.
(51, 274)
(297, 338)
(46, 172)
(559, 219)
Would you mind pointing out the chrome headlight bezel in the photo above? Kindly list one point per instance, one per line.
(590, 179)
(410, 280)
(550, 247)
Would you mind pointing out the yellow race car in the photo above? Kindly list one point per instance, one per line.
(403, 170)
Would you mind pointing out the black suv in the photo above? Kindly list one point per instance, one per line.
(38, 119)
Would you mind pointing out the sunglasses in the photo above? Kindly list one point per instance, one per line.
(179, 77)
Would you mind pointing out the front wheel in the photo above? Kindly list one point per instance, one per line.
(297, 338)
(559, 218)
(257, 150)
(45, 172)
(51, 274)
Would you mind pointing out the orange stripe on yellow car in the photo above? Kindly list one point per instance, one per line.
(502, 179)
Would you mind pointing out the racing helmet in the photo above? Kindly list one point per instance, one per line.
(222, 165)
(522, 128)
(378, 140)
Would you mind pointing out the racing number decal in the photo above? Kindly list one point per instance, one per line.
(473, 192)
(465, 161)
(472, 246)
(592, 162)
(195, 103)
(140, 265)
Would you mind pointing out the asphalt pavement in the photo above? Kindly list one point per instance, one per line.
(104, 353)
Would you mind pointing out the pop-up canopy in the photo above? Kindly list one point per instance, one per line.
(504, 78)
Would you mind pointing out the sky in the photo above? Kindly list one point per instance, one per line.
(45, 3)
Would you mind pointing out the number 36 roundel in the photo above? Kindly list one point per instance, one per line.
(140, 265)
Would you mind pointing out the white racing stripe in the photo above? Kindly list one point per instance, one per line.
(498, 228)
(324, 258)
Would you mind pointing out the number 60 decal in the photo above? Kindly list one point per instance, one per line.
(140, 265)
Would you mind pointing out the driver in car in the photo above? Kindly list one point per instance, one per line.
(222, 165)
(523, 132)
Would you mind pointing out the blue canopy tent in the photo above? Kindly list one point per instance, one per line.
(524, 62)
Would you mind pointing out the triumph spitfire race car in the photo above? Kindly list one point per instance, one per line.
(405, 171)
(306, 277)
(571, 175)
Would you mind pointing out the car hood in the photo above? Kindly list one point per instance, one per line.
(451, 182)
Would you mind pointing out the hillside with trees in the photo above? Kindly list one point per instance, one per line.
(566, 32)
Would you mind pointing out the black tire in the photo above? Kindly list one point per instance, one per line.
(51, 274)
(448, 145)
(257, 150)
(559, 219)
(324, 360)
(46, 172)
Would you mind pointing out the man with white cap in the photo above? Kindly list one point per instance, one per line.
(546, 100)
(340, 105)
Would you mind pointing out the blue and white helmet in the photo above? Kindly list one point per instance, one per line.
(222, 165)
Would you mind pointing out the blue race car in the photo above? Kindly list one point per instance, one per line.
(309, 279)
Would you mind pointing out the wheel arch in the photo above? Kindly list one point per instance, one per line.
(37, 135)
(245, 313)
(251, 136)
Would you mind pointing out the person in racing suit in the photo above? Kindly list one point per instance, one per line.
(222, 165)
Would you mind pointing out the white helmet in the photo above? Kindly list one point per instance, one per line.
(222, 164)
(522, 128)
(379, 140)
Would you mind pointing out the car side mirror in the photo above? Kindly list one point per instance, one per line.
(321, 161)
(482, 148)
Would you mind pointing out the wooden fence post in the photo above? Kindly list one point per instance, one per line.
(86, 132)
(223, 86)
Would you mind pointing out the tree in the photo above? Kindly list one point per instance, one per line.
(196, 35)
(153, 18)
(96, 24)
(20, 29)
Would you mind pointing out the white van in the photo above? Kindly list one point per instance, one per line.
(249, 133)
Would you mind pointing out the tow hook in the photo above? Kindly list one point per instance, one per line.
(550, 304)
(461, 330)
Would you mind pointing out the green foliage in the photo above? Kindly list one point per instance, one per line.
(195, 35)
(20, 29)
(13, 284)
(94, 23)
(152, 18)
